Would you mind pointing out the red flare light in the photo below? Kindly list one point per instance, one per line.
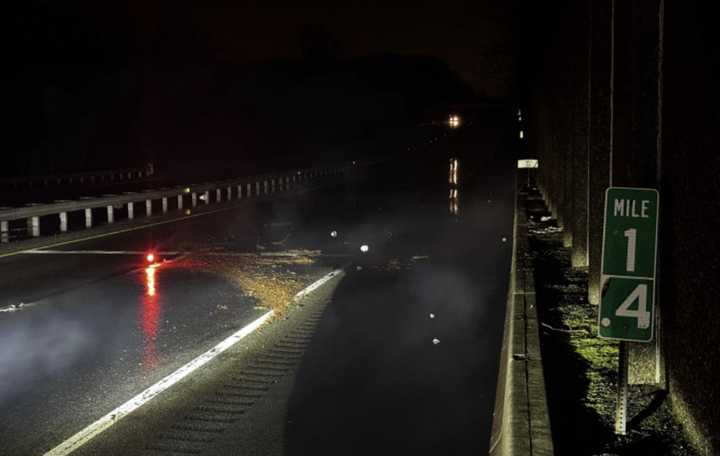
(150, 257)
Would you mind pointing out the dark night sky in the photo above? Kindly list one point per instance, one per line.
(112, 84)
(472, 36)
(475, 37)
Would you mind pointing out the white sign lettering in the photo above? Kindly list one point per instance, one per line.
(629, 208)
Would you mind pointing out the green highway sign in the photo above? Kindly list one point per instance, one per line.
(628, 264)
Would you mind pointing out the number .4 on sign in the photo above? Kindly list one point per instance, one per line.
(628, 264)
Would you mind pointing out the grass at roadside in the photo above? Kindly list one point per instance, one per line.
(581, 369)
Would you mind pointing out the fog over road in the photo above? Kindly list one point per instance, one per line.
(404, 354)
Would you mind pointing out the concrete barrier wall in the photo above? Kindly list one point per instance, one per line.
(521, 423)
(689, 254)
(631, 87)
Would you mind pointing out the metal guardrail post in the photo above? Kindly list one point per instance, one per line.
(130, 210)
(193, 199)
(218, 195)
(110, 214)
(33, 224)
(4, 232)
(88, 218)
(148, 207)
(180, 201)
(229, 193)
(164, 204)
(63, 222)
(207, 196)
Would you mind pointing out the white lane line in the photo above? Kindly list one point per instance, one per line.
(314, 286)
(96, 252)
(16, 307)
(312, 254)
(102, 424)
(87, 434)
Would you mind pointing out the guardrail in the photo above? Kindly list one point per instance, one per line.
(88, 177)
(110, 208)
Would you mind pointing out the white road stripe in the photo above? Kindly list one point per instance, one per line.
(96, 252)
(94, 429)
(182, 252)
(317, 284)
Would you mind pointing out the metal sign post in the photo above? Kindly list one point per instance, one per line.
(622, 390)
(628, 257)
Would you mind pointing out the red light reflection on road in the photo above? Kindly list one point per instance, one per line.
(150, 281)
(150, 317)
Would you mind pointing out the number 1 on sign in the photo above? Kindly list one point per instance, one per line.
(642, 315)
(631, 234)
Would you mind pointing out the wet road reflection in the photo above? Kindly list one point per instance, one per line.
(150, 316)
(414, 344)
(453, 177)
(454, 195)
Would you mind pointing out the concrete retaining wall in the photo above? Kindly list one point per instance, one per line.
(644, 74)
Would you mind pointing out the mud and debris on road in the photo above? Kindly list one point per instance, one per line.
(273, 280)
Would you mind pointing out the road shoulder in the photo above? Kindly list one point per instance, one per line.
(221, 405)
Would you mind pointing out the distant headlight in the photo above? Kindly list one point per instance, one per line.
(364, 248)
(333, 234)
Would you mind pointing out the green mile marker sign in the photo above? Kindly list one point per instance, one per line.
(628, 264)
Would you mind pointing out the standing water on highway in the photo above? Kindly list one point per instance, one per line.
(381, 299)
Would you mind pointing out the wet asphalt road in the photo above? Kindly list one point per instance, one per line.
(405, 357)
(94, 329)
